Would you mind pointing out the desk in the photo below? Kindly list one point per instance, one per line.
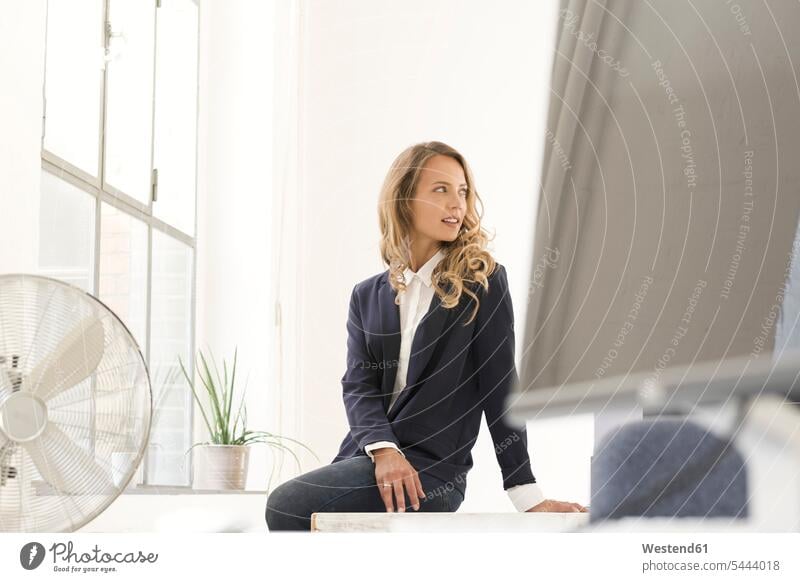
(448, 522)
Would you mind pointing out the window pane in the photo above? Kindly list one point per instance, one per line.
(176, 113)
(73, 81)
(66, 232)
(123, 269)
(129, 101)
(170, 332)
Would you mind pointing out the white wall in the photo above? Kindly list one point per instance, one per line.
(22, 41)
(377, 77)
(354, 83)
(234, 295)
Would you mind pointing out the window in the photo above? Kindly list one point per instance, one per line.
(67, 215)
(118, 195)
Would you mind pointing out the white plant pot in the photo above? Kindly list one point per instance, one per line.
(220, 466)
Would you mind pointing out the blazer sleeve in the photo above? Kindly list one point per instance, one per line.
(361, 392)
(493, 346)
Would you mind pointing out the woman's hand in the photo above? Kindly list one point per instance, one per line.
(552, 506)
(393, 469)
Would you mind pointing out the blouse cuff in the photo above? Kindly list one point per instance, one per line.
(525, 496)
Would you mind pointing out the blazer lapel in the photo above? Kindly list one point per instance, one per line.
(422, 346)
(390, 336)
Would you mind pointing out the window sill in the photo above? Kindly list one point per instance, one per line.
(43, 489)
(178, 490)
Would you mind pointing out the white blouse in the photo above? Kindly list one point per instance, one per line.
(414, 304)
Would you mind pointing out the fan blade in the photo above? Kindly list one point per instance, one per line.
(4, 442)
(6, 452)
(66, 466)
(77, 356)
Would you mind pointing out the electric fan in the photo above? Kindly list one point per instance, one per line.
(75, 403)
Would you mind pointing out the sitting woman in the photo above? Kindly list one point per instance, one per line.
(430, 350)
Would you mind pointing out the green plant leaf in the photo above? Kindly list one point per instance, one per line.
(222, 428)
(282, 447)
(194, 392)
(221, 390)
(288, 439)
(227, 394)
(233, 378)
(213, 397)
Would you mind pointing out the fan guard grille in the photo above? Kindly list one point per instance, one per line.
(66, 350)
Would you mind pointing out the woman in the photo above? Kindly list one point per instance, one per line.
(430, 349)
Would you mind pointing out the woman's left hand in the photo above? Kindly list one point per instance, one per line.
(553, 506)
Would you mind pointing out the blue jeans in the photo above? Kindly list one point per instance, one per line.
(346, 486)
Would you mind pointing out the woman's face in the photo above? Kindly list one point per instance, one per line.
(441, 196)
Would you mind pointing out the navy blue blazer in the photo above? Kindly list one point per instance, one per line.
(456, 373)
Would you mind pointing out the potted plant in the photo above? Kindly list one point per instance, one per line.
(222, 462)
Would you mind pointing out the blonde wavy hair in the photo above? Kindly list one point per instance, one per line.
(466, 260)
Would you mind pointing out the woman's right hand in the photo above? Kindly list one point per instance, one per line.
(393, 469)
(553, 506)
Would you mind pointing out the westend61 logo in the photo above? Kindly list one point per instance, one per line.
(32, 555)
